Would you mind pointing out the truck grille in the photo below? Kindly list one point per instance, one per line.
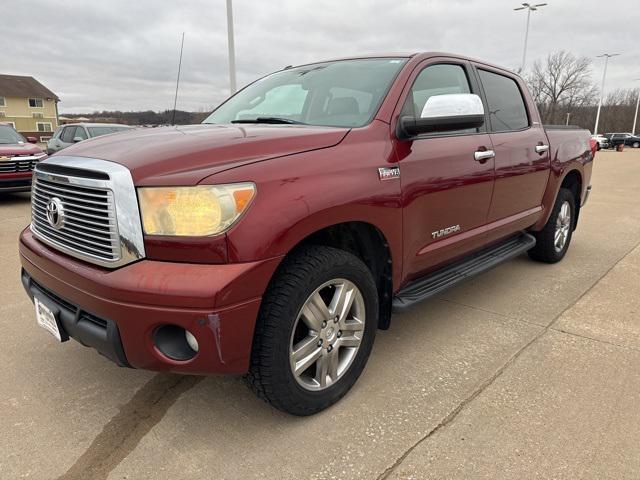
(88, 227)
(19, 164)
(88, 209)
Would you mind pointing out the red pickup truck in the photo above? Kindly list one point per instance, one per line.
(274, 239)
(18, 157)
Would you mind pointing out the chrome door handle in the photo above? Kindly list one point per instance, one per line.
(542, 148)
(483, 155)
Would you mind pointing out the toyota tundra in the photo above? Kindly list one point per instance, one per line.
(275, 238)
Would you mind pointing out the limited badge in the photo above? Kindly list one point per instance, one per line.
(388, 173)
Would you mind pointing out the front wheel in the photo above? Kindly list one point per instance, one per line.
(315, 330)
(636, 145)
(552, 242)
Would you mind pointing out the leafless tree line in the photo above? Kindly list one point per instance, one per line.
(563, 84)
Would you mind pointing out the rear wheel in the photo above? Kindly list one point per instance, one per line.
(636, 145)
(315, 330)
(552, 242)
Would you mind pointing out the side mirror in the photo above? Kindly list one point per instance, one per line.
(32, 140)
(443, 113)
(77, 139)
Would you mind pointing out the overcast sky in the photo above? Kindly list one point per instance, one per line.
(123, 54)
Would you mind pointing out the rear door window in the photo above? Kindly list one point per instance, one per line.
(507, 111)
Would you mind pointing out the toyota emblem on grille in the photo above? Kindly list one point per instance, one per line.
(55, 213)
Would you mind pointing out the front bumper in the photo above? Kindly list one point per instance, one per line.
(218, 304)
(16, 182)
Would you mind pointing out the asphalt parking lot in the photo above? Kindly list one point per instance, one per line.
(528, 371)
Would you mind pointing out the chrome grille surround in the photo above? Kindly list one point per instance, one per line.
(20, 163)
(101, 223)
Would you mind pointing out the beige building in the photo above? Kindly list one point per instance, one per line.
(27, 105)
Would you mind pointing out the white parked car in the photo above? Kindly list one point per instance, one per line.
(76, 132)
(603, 142)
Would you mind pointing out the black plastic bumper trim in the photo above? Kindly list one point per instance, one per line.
(90, 330)
(15, 185)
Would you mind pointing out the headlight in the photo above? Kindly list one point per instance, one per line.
(193, 211)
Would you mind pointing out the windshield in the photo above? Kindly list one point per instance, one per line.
(97, 131)
(345, 93)
(9, 136)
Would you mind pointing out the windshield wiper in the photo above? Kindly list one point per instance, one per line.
(272, 120)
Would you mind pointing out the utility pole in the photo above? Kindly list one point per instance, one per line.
(175, 100)
(530, 8)
(568, 117)
(604, 77)
(635, 116)
(232, 48)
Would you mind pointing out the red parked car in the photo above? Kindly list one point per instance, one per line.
(276, 238)
(18, 157)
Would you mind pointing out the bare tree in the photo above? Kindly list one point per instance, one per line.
(561, 83)
(618, 110)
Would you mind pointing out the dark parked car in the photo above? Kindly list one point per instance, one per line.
(627, 139)
(67, 135)
(277, 237)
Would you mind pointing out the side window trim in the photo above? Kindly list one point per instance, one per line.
(474, 87)
(476, 69)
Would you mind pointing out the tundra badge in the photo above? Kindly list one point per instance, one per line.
(389, 173)
(445, 231)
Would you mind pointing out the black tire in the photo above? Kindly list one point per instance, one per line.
(636, 145)
(545, 249)
(270, 375)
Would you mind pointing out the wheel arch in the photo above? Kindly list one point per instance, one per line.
(367, 242)
(571, 178)
(573, 181)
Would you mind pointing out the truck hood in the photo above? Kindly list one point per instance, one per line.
(14, 149)
(184, 155)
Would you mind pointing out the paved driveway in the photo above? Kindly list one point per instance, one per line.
(528, 371)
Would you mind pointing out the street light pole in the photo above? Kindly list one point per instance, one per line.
(635, 116)
(232, 49)
(604, 76)
(530, 8)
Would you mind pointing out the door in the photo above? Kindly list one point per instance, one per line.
(446, 192)
(55, 143)
(522, 159)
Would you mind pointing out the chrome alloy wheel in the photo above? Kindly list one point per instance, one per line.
(327, 334)
(563, 225)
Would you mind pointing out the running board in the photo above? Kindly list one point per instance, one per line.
(446, 277)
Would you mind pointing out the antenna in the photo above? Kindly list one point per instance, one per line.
(175, 100)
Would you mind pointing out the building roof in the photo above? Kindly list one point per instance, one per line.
(24, 87)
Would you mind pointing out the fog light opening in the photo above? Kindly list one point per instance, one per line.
(191, 340)
(175, 342)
